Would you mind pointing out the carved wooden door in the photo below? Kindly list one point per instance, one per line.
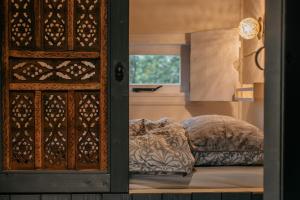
(55, 85)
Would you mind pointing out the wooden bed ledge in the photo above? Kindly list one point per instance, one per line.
(203, 190)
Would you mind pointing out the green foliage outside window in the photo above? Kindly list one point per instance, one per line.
(154, 69)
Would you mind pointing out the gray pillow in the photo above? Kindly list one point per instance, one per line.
(229, 158)
(224, 140)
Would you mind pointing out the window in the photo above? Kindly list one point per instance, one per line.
(154, 69)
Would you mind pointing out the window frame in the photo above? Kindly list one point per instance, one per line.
(116, 178)
(157, 84)
(155, 48)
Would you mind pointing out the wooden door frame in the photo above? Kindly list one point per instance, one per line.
(1, 82)
(274, 99)
(116, 180)
(119, 96)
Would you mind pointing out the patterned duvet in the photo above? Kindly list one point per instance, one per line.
(159, 147)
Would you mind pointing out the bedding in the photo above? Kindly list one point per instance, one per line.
(223, 140)
(159, 147)
(228, 158)
(203, 178)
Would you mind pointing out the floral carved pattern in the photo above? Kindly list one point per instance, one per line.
(21, 24)
(22, 130)
(86, 24)
(55, 130)
(55, 23)
(64, 71)
(55, 91)
(88, 129)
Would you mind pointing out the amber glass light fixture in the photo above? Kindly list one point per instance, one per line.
(250, 28)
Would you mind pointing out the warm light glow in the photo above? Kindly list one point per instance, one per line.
(249, 28)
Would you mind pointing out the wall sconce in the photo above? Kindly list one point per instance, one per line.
(250, 28)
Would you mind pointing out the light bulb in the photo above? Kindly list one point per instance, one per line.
(249, 28)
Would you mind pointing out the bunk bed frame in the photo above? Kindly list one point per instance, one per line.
(118, 154)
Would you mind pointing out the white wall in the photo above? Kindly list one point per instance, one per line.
(181, 111)
(250, 73)
(213, 74)
(177, 17)
(253, 112)
(182, 16)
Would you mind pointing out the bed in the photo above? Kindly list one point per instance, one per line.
(228, 156)
(222, 178)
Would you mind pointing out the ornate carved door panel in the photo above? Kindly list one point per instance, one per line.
(55, 85)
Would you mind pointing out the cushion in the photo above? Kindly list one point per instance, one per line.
(224, 140)
(159, 147)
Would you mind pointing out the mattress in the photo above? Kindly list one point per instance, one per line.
(202, 178)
